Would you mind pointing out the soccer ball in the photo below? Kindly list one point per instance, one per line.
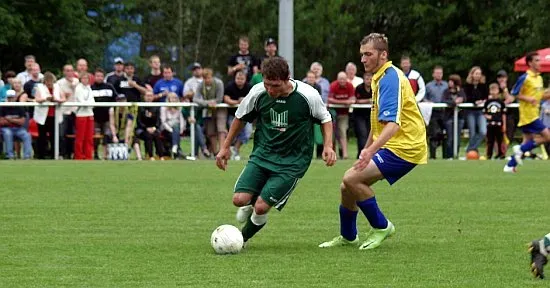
(227, 239)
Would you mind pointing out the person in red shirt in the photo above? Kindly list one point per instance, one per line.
(342, 92)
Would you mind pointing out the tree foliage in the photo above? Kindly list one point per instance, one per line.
(454, 34)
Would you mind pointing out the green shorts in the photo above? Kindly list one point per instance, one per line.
(274, 188)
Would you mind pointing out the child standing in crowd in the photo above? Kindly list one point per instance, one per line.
(84, 123)
(495, 113)
(173, 123)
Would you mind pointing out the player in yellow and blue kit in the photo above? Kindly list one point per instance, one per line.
(530, 91)
(396, 144)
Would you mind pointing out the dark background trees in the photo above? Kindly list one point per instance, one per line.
(454, 34)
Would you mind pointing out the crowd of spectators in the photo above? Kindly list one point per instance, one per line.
(28, 132)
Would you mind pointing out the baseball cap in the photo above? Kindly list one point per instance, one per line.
(270, 41)
(502, 73)
(119, 60)
(196, 65)
(10, 93)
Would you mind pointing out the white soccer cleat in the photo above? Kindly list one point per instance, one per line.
(243, 213)
(518, 154)
(509, 169)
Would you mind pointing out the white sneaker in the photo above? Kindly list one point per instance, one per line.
(243, 213)
(518, 154)
(508, 169)
(175, 149)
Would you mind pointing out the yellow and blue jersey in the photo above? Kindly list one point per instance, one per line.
(529, 84)
(394, 101)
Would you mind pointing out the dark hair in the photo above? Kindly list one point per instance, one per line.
(166, 67)
(99, 70)
(529, 57)
(438, 67)
(379, 41)
(456, 79)
(275, 68)
(9, 74)
(128, 64)
(405, 57)
(240, 71)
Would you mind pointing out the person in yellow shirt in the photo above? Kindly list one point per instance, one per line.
(530, 91)
(396, 144)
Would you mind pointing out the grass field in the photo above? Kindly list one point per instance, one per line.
(148, 224)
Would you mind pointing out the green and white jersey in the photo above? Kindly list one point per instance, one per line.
(283, 140)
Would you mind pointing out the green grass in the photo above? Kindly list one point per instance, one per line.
(148, 224)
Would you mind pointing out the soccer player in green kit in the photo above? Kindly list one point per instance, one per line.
(285, 111)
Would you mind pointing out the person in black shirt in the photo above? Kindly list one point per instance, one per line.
(476, 93)
(454, 95)
(235, 91)
(495, 113)
(116, 75)
(148, 127)
(131, 86)
(155, 75)
(102, 92)
(242, 60)
(361, 117)
(270, 48)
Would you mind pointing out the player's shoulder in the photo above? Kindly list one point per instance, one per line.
(392, 76)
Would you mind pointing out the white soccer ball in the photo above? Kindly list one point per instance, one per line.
(227, 239)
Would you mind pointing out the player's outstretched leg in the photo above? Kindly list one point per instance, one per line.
(539, 253)
(348, 222)
(257, 220)
(359, 182)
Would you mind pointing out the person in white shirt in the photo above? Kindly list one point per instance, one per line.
(191, 85)
(351, 73)
(416, 80)
(84, 121)
(67, 87)
(26, 75)
(172, 123)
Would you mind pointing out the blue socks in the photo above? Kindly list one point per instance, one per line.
(348, 223)
(373, 213)
(528, 146)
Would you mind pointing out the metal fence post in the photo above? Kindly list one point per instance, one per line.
(192, 132)
(456, 135)
(56, 132)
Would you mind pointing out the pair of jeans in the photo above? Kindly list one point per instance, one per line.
(477, 127)
(22, 134)
(66, 127)
(449, 125)
(175, 135)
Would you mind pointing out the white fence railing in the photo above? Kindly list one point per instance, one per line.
(465, 106)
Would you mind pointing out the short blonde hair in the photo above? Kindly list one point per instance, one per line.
(379, 41)
(207, 72)
(171, 96)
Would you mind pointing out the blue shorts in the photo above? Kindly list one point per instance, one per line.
(535, 127)
(391, 166)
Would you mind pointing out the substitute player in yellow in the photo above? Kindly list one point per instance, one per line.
(396, 144)
(529, 90)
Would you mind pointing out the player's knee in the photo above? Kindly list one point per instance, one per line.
(261, 208)
(241, 199)
(349, 180)
(343, 188)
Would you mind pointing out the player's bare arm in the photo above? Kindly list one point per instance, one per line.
(329, 156)
(366, 154)
(224, 154)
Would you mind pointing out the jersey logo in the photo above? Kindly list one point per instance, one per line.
(386, 113)
(279, 120)
(280, 101)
